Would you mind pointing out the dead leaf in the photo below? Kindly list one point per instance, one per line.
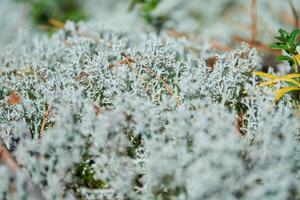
(239, 124)
(210, 62)
(97, 109)
(82, 75)
(176, 34)
(126, 60)
(14, 98)
(56, 23)
(68, 43)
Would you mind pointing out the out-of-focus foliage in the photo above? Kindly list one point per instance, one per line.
(41, 11)
(13, 18)
(146, 9)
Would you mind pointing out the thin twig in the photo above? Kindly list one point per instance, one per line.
(177, 34)
(5, 156)
(168, 88)
(284, 17)
(61, 25)
(295, 14)
(220, 46)
(97, 109)
(238, 125)
(254, 21)
(45, 119)
(127, 60)
(259, 46)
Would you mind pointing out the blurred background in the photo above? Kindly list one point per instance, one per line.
(223, 22)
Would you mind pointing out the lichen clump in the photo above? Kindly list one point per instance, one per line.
(99, 113)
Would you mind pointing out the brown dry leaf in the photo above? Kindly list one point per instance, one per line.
(222, 47)
(14, 98)
(210, 62)
(239, 124)
(126, 60)
(176, 34)
(82, 75)
(56, 23)
(68, 43)
(111, 65)
(97, 109)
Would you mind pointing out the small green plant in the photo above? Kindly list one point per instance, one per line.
(287, 42)
(41, 11)
(84, 176)
(146, 10)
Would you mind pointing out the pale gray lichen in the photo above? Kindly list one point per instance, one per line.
(118, 117)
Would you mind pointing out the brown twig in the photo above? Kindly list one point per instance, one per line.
(238, 125)
(254, 22)
(128, 61)
(295, 14)
(258, 45)
(219, 46)
(287, 19)
(7, 158)
(61, 25)
(11, 163)
(45, 119)
(97, 109)
(168, 88)
(177, 34)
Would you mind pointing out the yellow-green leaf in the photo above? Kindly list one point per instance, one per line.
(271, 76)
(291, 76)
(297, 58)
(265, 75)
(283, 91)
(278, 79)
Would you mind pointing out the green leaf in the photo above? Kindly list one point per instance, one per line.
(281, 39)
(279, 46)
(293, 36)
(150, 6)
(283, 33)
(283, 58)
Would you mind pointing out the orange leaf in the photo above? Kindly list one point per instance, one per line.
(14, 98)
(97, 109)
